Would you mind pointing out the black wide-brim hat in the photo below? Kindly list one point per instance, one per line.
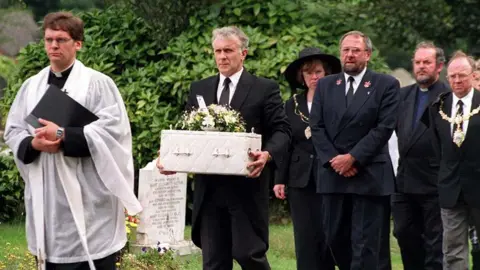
(307, 54)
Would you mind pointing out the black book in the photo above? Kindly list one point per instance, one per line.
(56, 106)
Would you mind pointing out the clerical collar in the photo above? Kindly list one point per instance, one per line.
(423, 89)
(64, 73)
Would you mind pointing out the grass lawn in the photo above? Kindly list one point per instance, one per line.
(281, 254)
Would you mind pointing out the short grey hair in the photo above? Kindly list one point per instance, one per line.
(229, 32)
(439, 54)
(460, 54)
(366, 39)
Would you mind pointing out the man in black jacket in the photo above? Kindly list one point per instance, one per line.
(353, 116)
(230, 213)
(415, 208)
(455, 126)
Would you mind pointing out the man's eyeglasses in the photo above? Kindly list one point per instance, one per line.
(460, 76)
(354, 51)
(58, 40)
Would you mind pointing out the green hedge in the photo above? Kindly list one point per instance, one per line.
(7, 67)
(11, 190)
(154, 81)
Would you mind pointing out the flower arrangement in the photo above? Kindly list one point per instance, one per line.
(213, 118)
(160, 257)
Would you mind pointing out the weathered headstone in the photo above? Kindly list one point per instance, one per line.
(163, 217)
(403, 76)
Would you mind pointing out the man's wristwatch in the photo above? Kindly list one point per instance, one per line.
(60, 133)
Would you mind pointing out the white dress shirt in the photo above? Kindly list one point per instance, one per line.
(309, 105)
(356, 80)
(232, 86)
(467, 107)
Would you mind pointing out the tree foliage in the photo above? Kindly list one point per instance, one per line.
(7, 67)
(167, 18)
(154, 80)
(451, 24)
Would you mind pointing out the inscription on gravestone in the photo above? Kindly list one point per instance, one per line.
(163, 199)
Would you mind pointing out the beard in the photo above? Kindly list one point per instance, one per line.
(425, 79)
(353, 69)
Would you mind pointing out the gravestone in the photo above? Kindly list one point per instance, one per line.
(403, 76)
(163, 198)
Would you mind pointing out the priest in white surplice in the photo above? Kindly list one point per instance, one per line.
(78, 180)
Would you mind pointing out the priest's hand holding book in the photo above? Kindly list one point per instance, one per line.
(46, 138)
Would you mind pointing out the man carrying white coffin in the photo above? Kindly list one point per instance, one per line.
(230, 213)
(77, 179)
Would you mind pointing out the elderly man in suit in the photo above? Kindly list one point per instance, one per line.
(415, 208)
(455, 125)
(230, 213)
(353, 116)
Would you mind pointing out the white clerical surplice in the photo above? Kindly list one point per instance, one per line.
(75, 206)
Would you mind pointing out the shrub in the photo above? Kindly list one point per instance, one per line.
(154, 80)
(11, 190)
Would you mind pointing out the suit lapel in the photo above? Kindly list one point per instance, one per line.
(338, 97)
(241, 91)
(433, 93)
(444, 126)
(210, 90)
(410, 110)
(364, 91)
(475, 118)
(302, 103)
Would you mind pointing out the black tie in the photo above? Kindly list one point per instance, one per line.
(459, 113)
(225, 96)
(349, 96)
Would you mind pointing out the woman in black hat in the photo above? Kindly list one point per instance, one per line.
(299, 169)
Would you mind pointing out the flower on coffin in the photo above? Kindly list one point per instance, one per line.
(229, 119)
(208, 122)
(213, 118)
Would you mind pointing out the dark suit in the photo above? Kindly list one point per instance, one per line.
(230, 213)
(458, 176)
(305, 203)
(355, 208)
(459, 171)
(415, 208)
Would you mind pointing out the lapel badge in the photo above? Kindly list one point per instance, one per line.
(339, 81)
(367, 84)
(368, 93)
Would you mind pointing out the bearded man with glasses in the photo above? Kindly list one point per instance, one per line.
(352, 118)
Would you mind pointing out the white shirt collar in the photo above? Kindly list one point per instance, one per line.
(467, 100)
(358, 78)
(234, 78)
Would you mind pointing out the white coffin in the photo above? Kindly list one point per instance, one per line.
(207, 152)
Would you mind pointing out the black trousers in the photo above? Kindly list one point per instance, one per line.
(385, 256)
(107, 263)
(227, 233)
(354, 226)
(418, 229)
(311, 250)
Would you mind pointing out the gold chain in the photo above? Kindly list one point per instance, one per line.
(457, 119)
(298, 112)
